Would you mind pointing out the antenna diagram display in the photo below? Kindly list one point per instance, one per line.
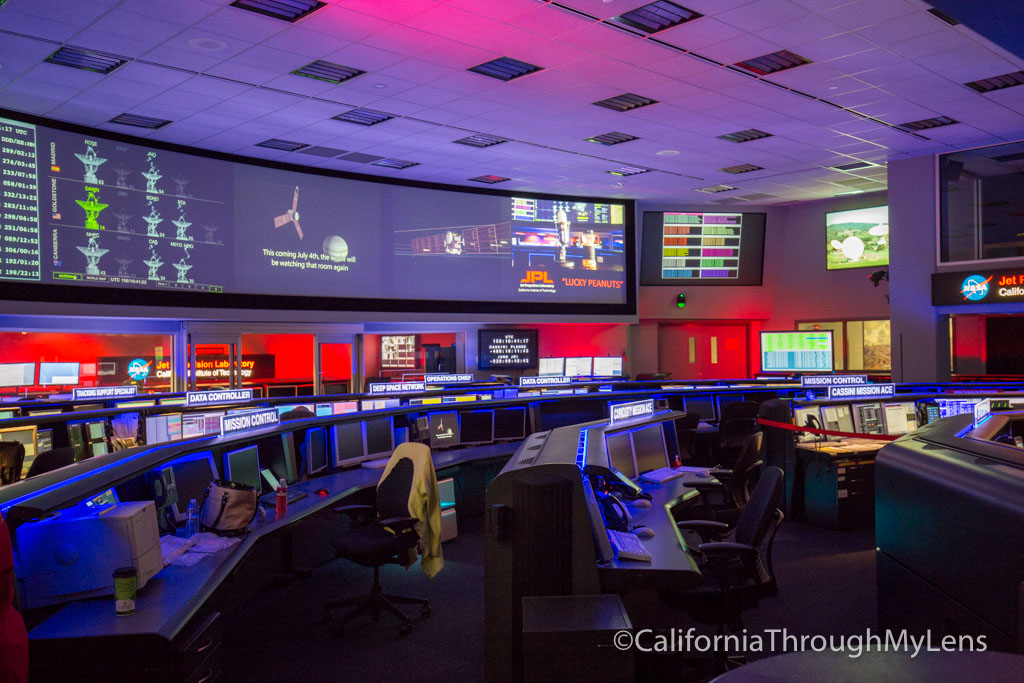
(81, 209)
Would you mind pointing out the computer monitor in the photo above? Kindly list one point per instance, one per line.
(620, 453)
(8, 414)
(509, 424)
(867, 418)
(135, 404)
(96, 430)
(702, 405)
(100, 448)
(649, 449)
(243, 466)
(837, 418)
(348, 443)
(323, 409)
(380, 437)
(314, 455)
(17, 374)
(579, 366)
(273, 392)
(200, 424)
(550, 367)
(476, 427)
(83, 407)
(282, 409)
(344, 407)
(36, 413)
(444, 429)
(44, 440)
(607, 366)
(192, 476)
(726, 399)
(58, 374)
(25, 435)
(172, 401)
(900, 418)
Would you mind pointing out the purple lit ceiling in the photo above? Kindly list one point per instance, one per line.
(222, 76)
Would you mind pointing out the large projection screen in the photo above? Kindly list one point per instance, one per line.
(93, 217)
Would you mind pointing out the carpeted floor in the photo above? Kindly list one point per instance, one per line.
(826, 585)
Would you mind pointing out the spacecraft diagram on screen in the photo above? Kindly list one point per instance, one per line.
(291, 216)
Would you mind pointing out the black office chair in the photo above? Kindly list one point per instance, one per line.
(725, 502)
(732, 435)
(382, 534)
(12, 457)
(686, 435)
(652, 376)
(737, 409)
(47, 461)
(736, 564)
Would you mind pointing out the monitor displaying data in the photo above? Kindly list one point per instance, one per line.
(607, 366)
(550, 367)
(506, 349)
(796, 351)
(17, 374)
(857, 238)
(578, 367)
(58, 373)
(84, 209)
(695, 248)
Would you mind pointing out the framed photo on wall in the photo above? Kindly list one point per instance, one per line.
(397, 351)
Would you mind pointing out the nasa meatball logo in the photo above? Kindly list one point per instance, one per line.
(974, 288)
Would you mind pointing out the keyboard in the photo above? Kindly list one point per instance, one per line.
(660, 476)
(271, 498)
(627, 546)
(172, 546)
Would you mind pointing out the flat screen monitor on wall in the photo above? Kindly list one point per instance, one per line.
(694, 248)
(117, 219)
(64, 374)
(797, 351)
(506, 349)
(857, 239)
(17, 374)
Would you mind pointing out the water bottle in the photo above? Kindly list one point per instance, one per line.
(281, 499)
(192, 521)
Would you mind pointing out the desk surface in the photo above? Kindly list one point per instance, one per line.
(671, 565)
(846, 447)
(172, 597)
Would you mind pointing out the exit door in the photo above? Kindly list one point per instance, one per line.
(704, 350)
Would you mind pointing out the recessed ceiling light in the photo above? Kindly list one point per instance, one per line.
(629, 170)
(208, 44)
(328, 71)
(745, 135)
(505, 68)
(625, 102)
(773, 63)
(380, 85)
(286, 10)
(667, 152)
(657, 16)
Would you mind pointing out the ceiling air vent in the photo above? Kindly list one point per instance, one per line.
(997, 82)
(745, 135)
(283, 145)
(925, 124)
(286, 10)
(505, 68)
(610, 139)
(628, 170)
(855, 166)
(87, 60)
(363, 117)
(489, 179)
(773, 63)
(741, 168)
(625, 102)
(714, 189)
(139, 121)
(480, 140)
(328, 71)
(657, 16)
(395, 163)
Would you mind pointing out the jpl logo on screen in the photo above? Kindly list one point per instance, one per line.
(975, 287)
(533, 276)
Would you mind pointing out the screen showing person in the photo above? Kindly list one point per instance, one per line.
(476, 426)
(192, 475)
(551, 367)
(242, 466)
(58, 374)
(620, 453)
(315, 450)
(444, 429)
(649, 449)
(607, 366)
(380, 437)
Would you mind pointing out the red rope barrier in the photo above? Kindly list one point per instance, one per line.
(829, 432)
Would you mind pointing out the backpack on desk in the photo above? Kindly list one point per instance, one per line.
(228, 507)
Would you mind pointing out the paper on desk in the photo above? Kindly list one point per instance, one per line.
(208, 543)
(693, 470)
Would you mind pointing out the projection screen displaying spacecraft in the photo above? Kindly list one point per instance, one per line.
(87, 210)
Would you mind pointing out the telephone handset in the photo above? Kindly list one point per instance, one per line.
(616, 514)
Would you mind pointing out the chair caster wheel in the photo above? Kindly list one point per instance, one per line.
(425, 612)
(405, 629)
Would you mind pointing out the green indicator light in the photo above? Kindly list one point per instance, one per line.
(681, 301)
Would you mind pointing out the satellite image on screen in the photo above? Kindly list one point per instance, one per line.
(858, 238)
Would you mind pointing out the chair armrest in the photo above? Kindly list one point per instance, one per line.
(704, 527)
(720, 472)
(726, 548)
(398, 524)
